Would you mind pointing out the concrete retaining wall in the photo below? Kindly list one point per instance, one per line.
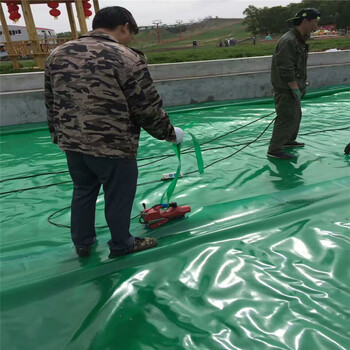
(22, 98)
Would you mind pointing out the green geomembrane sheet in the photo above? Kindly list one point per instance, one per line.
(261, 262)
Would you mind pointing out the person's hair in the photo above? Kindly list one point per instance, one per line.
(112, 17)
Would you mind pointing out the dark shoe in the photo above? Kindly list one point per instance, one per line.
(294, 144)
(347, 149)
(83, 251)
(280, 155)
(139, 245)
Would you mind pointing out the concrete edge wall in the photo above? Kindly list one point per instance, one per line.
(22, 95)
(237, 65)
(241, 86)
(165, 71)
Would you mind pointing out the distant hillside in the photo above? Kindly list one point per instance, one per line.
(208, 32)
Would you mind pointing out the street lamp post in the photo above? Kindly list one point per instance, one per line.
(179, 23)
(191, 22)
(157, 22)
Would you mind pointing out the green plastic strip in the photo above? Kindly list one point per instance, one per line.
(199, 157)
(177, 149)
(170, 190)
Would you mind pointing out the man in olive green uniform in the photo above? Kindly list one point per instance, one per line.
(99, 94)
(288, 77)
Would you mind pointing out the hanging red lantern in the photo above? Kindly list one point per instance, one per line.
(55, 12)
(53, 4)
(86, 5)
(87, 13)
(12, 8)
(15, 16)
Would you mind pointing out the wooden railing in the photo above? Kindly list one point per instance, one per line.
(25, 48)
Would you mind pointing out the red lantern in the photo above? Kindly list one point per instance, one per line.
(55, 13)
(53, 4)
(12, 8)
(15, 16)
(87, 13)
(86, 5)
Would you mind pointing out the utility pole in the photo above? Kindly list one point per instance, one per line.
(157, 22)
(179, 23)
(191, 23)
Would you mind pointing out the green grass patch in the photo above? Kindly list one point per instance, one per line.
(246, 49)
(204, 36)
(24, 67)
(209, 53)
(206, 51)
(333, 43)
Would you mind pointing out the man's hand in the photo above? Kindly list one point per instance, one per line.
(297, 94)
(179, 135)
(295, 90)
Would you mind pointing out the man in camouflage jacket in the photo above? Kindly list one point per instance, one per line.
(99, 94)
(288, 77)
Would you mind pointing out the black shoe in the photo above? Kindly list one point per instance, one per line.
(83, 251)
(347, 149)
(294, 144)
(280, 155)
(139, 245)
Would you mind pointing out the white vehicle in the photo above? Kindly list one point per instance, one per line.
(20, 33)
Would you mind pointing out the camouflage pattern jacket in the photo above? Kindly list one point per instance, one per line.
(98, 94)
(289, 61)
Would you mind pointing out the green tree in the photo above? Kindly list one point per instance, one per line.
(332, 12)
(273, 20)
(251, 19)
(64, 35)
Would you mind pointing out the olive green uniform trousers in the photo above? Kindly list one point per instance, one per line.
(287, 122)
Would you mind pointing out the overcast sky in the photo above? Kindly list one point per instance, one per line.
(144, 11)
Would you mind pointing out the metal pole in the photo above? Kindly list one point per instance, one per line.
(157, 22)
(179, 23)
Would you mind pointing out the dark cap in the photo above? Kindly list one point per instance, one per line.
(308, 13)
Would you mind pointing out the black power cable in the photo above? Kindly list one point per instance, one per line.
(204, 150)
(34, 188)
(241, 127)
(187, 150)
(67, 226)
(219, 160)
(162, 157)
(234, 153)
(35, 175)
